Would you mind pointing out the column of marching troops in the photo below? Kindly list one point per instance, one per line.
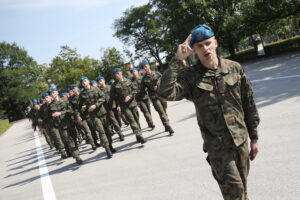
(96, 111)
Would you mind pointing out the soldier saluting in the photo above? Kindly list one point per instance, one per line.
(225, 108)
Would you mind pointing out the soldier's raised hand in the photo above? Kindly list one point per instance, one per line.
(184, 49)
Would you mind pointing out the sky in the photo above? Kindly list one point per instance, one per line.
(42, 26)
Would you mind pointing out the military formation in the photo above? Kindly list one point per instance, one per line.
(93, 111)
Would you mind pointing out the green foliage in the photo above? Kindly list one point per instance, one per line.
(21, 79)
(67, 68)
(143, 28)
(4, 125)
(274, 48)
(111, 59)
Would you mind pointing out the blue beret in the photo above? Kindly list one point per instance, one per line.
(52, 90)
(117, 70)
(63, 94)
(93, 81)
(73, 86)
(46, 94)
(134, 69)
(144, 63)
(83, 78)
(201, 33)
(100, 78)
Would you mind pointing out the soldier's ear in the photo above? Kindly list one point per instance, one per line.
(216, 43)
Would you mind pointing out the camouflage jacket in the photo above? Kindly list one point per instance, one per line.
(65, 119)
(119, 90)
(223, 99)
(74, 101)
(44, 116)
(136, 82)
(149, 82)
(89, 97)
(33, 117)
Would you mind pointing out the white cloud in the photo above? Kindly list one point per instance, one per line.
(40, 4)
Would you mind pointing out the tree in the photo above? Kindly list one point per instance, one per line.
(143, 28)
(67, 68)
(110, 59)
(21, 79)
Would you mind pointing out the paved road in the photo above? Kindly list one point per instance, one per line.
(167, 168)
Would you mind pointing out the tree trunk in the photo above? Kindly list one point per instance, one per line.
(231, 48)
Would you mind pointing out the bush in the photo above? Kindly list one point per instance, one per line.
(271, 49)
(4, 125)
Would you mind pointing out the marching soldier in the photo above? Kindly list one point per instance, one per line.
(123, 93)
(149, 82)
(143, 102)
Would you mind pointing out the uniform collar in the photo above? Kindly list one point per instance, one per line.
(222, 68)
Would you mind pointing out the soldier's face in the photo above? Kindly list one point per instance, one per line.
(147, 69)
(48, 99)
(71, 92)
(54, 94)
(101, 82)
(206, 50)
(75, 89)
(119, 75)
(85, 83)
(95, 84)
(135, 73)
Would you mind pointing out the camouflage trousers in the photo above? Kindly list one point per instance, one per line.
(161, 107)
(113, 121)
(146, 110)
(98, 125)
(67, 141)
(230, 168)
(132, 115)
(87, 131)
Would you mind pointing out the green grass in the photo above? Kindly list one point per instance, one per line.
(4, 125)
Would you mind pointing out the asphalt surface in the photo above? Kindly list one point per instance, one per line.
(167, 168)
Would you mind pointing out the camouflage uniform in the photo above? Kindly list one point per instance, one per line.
(42, 121)
(143, 101)
(119, 90)
(226, 115)
(62, 123)
(149, 82)
(110, 117)
(94, 96)
(74, 101)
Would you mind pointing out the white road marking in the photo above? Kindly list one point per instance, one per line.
(276, 78)
(47, 187)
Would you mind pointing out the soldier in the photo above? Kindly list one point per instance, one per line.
(42, 122)
(110, 114)
(144, 101)
(149, 82)
(94, 83)
(123, 93)
(61, 112)
(115, 109)
(83, 124)
(91, 101)
(226, 111)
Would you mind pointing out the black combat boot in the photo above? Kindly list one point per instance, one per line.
(151, 126)
(108, 152)
(94, 147)
(64, 155)
(112, 149)
(141, 139)
(79, 160)
(121, 136)
(169, 129)
(97, 144)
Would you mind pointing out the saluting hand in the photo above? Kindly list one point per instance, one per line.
(184, 49)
